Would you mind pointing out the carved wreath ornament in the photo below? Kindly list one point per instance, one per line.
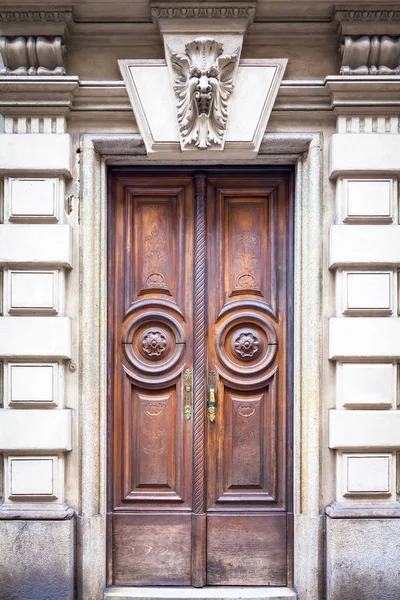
(203, 84)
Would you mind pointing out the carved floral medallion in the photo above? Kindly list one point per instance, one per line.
(246, 345)
(203, 85)
(154, 343)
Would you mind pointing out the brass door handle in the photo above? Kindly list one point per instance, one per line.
(211, 396)
(188, 394)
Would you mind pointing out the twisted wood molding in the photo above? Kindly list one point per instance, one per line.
(200, 349)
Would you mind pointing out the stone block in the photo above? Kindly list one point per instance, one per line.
(36, 245)
(35, 430)
(363, 559)
(372, 245)
(35, 337)
(364, 429)
(364, 337)
(358, 153)
(36, 153)
(37, 560)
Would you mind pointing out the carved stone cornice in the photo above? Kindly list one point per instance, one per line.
(209, 10)
(35, 22)
(19, 16)
(367, 21)
(32, 55)
(367, 15)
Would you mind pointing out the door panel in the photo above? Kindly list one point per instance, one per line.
(151, 267)
(247, 442)
(151, 548)
(246, 551)
(200, 284)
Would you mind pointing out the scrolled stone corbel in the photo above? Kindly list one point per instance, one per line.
(32, 55)
(203, 84)
(370, 55)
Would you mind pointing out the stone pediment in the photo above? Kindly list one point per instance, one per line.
(248, 104)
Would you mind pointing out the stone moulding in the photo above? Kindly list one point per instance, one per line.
(367, 15)
(32, 55)
(32, 16)
(203, 83)
(370, 55)
(211, 11)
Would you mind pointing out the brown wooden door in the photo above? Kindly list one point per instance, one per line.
(200, 284)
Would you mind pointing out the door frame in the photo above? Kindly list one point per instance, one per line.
(96, 153)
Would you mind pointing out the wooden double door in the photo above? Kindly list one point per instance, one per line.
(200, 287)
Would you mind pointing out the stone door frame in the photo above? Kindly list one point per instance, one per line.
(96, 153)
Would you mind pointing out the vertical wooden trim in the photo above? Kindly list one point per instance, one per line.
(199, 385)
(199, 356)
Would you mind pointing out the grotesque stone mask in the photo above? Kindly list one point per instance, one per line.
(203, 84)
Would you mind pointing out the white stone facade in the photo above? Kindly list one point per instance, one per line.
(61, 133)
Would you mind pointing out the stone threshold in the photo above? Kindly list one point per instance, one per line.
(206, 593)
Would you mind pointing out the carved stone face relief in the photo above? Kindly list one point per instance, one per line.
(203, 84)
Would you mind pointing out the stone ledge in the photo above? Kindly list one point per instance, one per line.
(36, 512)
(381, 510)
(206, 593)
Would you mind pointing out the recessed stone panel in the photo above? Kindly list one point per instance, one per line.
(32, 476)
(36, 383)
(33, 292)
(368, 200)
(373, 385)
(367, 474)
(367, 292)
(32, 199)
